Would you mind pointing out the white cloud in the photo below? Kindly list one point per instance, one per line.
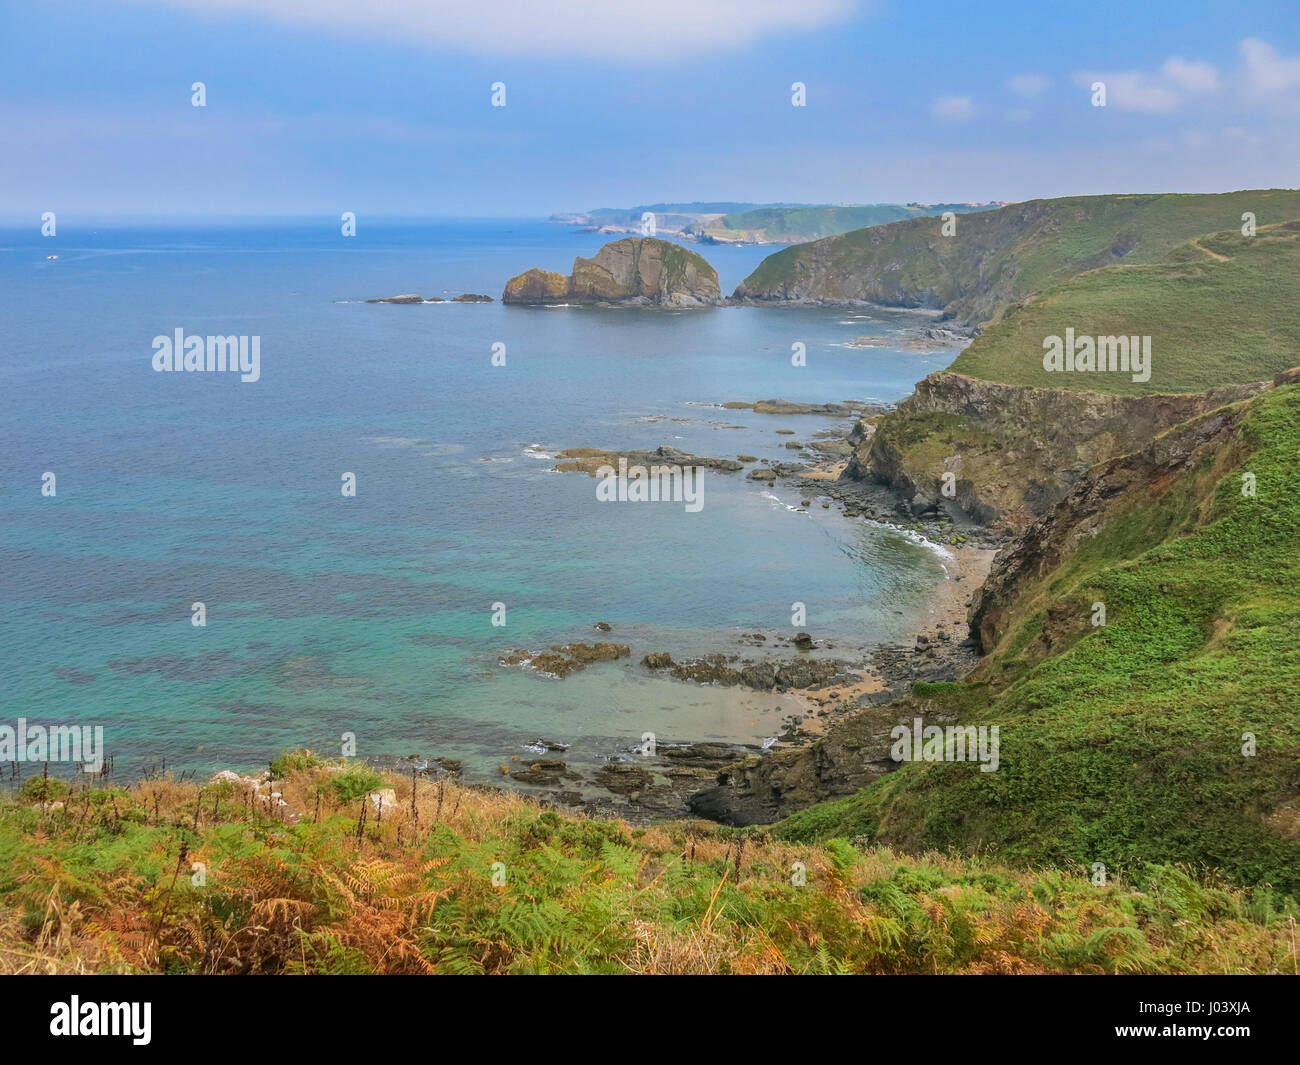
(952, 109)
(1155, 92)
(1267, 73)
(609, 29)
(1030, 86)
(1191, 77)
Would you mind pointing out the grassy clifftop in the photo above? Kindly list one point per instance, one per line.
(1220, 309)
(1125, 742)
(1220, 312)
(777, 225)
(177, 878)
(997, 258)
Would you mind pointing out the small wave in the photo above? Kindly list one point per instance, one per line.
(779, 502)
(916, 538)
(536, 451)
(526, 664)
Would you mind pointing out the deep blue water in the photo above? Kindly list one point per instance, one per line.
(373, 614)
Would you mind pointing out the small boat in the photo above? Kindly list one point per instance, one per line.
(51, 256)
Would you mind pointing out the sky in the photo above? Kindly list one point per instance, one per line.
(385, 107)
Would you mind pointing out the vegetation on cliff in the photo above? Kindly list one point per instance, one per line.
(997, 258)
(792, 225)
(1221, 312)
(179, 878)
(754, 223)
(1170, 732)
(1220, 309)
(636, 270)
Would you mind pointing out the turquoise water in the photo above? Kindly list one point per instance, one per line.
(372, 615)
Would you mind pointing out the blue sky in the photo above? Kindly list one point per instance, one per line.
(384, 108)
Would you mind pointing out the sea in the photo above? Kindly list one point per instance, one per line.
(372, 615)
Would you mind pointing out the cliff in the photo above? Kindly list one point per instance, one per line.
(995, 259)
(1220, 315)
(1143, 665)
(1014, 452)
(637, 271)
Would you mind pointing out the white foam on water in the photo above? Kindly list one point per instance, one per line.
(916, 538)
(779, 502)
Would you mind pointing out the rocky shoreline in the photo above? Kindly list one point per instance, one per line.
(680, 776)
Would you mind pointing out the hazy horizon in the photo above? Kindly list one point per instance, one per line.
(323, 108)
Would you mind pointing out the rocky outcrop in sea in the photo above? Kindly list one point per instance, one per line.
(638, 271)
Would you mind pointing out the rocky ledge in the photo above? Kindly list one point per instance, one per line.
(589, 460)
(638, 271)
(848, 409)
(766, 675)
(412, 297)
(563, 659)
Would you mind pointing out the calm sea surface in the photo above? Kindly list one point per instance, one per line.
(372, 615)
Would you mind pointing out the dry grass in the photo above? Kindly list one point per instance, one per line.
(303, 881)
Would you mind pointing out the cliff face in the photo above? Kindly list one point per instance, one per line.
(1103, 720)
(1021, 569)
(997, 258)
(537, 286)
(638, 271)
(1203, 446)
(852, 754)
(1015, 451)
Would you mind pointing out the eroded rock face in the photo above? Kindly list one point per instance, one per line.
(1015, 451)
(1107, 489)
(640, 271)
(759, 790)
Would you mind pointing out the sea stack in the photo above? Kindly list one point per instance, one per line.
(637, 271)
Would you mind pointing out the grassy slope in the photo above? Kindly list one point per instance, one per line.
(679, 262)
(811, 223)
(104, 884)
(999, 257)
(1212, 320)
(1125, 745)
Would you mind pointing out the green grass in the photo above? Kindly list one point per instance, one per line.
(488, 883)
(679, 261)
(1124, 744)
(811, 223)
(998, 258)
(1211, 322)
